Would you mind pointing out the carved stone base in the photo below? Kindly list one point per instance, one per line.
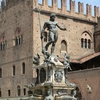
(51, 83)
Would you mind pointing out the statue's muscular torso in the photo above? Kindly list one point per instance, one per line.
(51, 26)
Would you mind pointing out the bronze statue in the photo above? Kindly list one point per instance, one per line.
(50, 25)
(36, 59)
(67, 61)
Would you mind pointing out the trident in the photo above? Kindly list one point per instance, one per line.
(38, 10)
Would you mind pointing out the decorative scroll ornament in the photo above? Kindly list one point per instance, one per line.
(58, 76)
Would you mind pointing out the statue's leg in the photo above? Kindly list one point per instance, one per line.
(55, 37)
(47, 45)
(52, 48)
(54, 40)
(51, 36)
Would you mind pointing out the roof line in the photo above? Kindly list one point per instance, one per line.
(82, 60)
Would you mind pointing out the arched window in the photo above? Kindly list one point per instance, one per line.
(63, 46)
(37, 79)
(0, 73)
(13, 70)
(3, 42)
(86, 40)
(89, 43)
(82, 41)
(23, 68)
(18, 90)
(85, 43)
(9, 92)
(0, 92)
(24, 91)
(18, 37)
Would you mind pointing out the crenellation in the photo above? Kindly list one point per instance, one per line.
(72, 6)
(80, 8)
(55, 4)
(45, 2)
(0, 9)
(96, 11)
(54, 8)
(35, 3)
(9, 4)
(63, 2)
(2, 5)
(98, 25)
(88, 10)
(63, 10)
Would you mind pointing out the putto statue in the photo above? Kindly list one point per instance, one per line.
(67, 61)
(36, 59)
(51, 25)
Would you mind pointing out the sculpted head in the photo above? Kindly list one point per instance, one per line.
(52, 16)
(49, 92)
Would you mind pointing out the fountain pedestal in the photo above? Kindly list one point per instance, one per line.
(51, 83)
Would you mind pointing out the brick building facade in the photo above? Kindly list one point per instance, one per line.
(20, 40)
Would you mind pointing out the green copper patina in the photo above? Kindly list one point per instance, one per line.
(51, 25)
